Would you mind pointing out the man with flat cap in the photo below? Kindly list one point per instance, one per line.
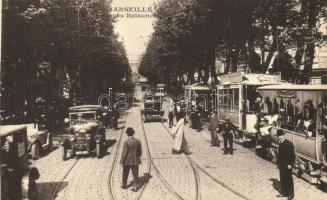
(285, 161)
(131, 158)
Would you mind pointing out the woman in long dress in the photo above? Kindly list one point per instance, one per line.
(180, 144)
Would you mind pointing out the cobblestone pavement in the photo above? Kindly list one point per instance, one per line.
(245, 172)
(205, 174)
(87, 177)
(133, 120)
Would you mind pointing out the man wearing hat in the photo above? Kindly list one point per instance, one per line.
(228, 128)
(285, 161)
(131, 158)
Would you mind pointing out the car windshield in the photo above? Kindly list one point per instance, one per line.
(85, 116)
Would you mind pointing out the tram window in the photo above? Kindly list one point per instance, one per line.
(236, 99)
(229, 99)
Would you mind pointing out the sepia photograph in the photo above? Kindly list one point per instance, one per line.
(163, 99)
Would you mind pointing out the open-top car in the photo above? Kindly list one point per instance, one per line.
(17, 177)
(85, 132)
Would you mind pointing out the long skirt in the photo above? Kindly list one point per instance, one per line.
(180, 143)
(214, 138)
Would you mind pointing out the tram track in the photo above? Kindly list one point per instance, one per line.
(196, 167)
(58, 184)
(111, 173)
(159, 175)
(114, 167)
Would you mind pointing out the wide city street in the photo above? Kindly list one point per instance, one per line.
(205, 174)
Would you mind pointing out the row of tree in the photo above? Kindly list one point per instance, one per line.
(189, 36)
(54, 49)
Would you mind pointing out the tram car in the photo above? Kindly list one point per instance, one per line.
(200, 98)
(237, 97)
(152, 109)
(301, 112)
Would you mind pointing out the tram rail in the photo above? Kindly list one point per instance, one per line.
(110, 179)
(159, 175)
(58, 184)
(196, 167)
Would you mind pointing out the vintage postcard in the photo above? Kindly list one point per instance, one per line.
(163, 99)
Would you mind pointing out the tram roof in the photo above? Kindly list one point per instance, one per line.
(293, 87)
(84, 108)
(8, 129)
(198, 86)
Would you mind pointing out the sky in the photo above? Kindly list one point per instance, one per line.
(134, 31)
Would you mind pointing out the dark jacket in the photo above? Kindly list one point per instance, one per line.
(132, 152)
(286, 155)
(227, 127)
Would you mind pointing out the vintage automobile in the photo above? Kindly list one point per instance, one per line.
(302, 115)
(85, 132)
(39, 139)
(152, 109)
(17, 177)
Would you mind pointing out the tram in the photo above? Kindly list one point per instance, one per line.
(301, 111)
(200, 98)
(237, 97)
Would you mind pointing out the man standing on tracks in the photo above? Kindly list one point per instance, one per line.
(131, 158)
(285, 160)
(228, 129)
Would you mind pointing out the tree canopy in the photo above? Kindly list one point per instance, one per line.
(190, 35)
(55, 48)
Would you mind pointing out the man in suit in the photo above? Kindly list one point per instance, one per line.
(285, 161)
(130, 158)
(213, 125)
(228, 129)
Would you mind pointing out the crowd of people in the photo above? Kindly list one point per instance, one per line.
(290, 114)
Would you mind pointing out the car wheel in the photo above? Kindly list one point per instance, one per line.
(35, 149)
(73, 154)
(63, 153)
(98, 150)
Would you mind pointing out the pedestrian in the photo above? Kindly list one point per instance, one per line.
(213, 125)
(285, 161)
(171, 114)
(228, 129)
(178, 111)
(178, 133)
(197, 118)
(115, 117)
(131, 158)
